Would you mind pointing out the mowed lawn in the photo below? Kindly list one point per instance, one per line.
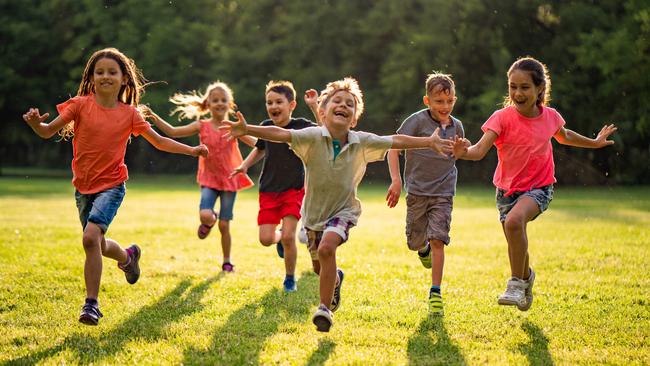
(591, 252)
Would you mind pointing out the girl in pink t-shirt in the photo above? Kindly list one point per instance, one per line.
(524, 176)
(214, 171)
(101, 119)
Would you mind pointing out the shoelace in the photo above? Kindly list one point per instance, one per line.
(93, 310)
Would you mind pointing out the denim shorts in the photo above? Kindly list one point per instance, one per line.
(542, 196)
(99, 208)
(227, 202)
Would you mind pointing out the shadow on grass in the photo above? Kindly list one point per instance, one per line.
(537, 349)
(241, 339)
(431, 345)
(320, 355)
(148, 323)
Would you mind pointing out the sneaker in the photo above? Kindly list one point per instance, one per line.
(515, 293)
(131, 269)
(336, 299)
(289, 285)
(203, 231)
(435, 303)
(228, 267)
(302, 236)
(90, 314)
(426, 259)
(323, 319)
(529, 292)
(280, 248)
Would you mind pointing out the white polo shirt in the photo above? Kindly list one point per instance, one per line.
(332, 183)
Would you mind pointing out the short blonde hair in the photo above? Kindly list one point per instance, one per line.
(194, 105)
(348, 84)
(443, 81)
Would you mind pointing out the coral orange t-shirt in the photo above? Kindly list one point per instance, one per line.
(214, 170)
(99, 143)
(524, 148)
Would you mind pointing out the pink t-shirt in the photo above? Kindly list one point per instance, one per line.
(524, 148)
(223, 158)
(99, 143)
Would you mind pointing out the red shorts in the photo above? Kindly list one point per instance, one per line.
(276, 205)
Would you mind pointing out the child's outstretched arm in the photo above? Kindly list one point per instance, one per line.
(253, 157)
(434, 142)
(269, 133)
(572, 138)
(169, 145)
(476, 151)
(395, 188)
(36, 121)
(169, 130)
(311, 99)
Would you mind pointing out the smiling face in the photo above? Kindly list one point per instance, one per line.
(441, 103)
(340, 111)
(279, 108)
(218, 102)
(108, 77)
(523, 92)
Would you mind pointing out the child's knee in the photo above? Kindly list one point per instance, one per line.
(207, 217)
(224, 226)
(514, 223)
(288, 238)
(91, 238)
(326, 249)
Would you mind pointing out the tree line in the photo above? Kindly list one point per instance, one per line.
(598, 54)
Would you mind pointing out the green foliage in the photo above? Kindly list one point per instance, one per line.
(597, 53)
(591, 300)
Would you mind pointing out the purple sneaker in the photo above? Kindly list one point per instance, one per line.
(132, 268)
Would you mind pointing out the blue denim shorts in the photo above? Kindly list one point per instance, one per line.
(227, 202)
(99, 208)
(542, 196)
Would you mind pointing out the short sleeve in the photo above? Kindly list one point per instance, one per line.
(559, 121)
(494, 123)
(139, 124)
(301, 141)
(375, 147)
(408, 127)
(460, 131)
(69, 109)
(260, 144)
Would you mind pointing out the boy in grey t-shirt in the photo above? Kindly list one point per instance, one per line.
(430, 181)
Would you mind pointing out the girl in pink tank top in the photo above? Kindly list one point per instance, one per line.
(525, 173)
(214, 170)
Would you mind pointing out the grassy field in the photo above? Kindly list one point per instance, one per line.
(591, 251)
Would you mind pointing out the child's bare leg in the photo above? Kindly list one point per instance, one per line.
(515, 230)
(289, 224)
(207, 217)
(111, 249)
(92, 239)
(226, 242)
(269, 234)
(437, 261)
(327, 259)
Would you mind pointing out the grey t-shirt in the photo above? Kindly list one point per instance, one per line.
(427, 173)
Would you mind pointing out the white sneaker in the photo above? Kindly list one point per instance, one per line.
(302, 235)
(515, 293)
(323, 319)
(529, 292)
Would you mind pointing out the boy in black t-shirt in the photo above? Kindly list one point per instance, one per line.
(283, 177)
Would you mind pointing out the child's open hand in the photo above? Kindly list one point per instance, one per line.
(311, 97)
(33, 117)
(200, 150)
(394, 191)
(442, 146)
(604, 133)
(146, 111)
(235, 129)
(460, 147)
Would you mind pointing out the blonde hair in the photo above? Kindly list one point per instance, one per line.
(443, 81)
(538, 73)
(348, 84)
(194, 105)
(129, 93)
(283, 87)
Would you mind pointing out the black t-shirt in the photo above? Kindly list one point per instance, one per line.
(282, 169)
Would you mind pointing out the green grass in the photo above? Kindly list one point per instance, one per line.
(591, 251)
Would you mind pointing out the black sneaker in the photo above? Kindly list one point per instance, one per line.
(132, 270)
(90, 314)
(336, 299)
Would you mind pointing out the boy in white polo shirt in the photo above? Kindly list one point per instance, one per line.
(335, 159)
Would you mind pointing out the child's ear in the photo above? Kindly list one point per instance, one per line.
(425, 100)
(293, 104)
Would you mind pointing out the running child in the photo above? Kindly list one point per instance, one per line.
(335, 159)
(282, 180)
(101, 119)
(213, 175)
(525, 173)
(430, 181)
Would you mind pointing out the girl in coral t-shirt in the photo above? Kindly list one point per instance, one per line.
(214, 171)
(101, 119)
(525, 174)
